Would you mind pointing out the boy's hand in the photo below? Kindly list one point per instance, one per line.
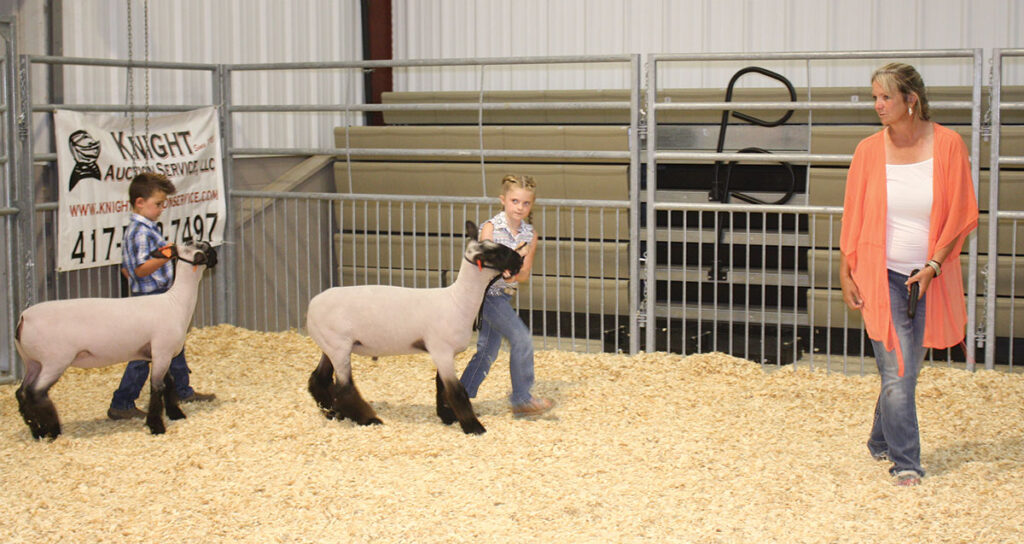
(166, 252)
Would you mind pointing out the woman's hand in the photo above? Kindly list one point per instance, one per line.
(851, 293)
(923, 278)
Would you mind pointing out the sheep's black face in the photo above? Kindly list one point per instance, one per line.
(210, 253)
(499, 257)
(198, 253)
(491, 254)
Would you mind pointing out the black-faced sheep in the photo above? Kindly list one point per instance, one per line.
(96, 332)
(382, 320)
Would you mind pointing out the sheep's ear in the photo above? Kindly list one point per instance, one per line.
(471, 231)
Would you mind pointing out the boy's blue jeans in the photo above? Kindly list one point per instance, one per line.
(136, 373)
(895, 431)
(499, 320)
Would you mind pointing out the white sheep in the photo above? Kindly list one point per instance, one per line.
(96, 332)
(378, 320)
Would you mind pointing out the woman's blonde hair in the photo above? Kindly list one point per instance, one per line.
(519, 181)
(904, 79)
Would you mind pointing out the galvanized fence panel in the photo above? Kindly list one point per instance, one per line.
(1001, 315)
(757, 281)
(96, 282)
(747, 279)
(42, 280)
(8, 204)
(375, 229)
(291, 246)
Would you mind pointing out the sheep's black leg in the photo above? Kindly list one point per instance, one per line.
(456, 397)
(336, 399)
(173, 408)
(38, 411)
(320, 387)
(444, 411)
(154, 418)
(349, 403)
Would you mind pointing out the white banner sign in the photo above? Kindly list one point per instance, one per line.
(97, 157)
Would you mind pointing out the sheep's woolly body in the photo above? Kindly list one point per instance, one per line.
(382, 320)
(95, 332)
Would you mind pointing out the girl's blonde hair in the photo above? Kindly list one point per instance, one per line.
(904, 79)
(519, 181)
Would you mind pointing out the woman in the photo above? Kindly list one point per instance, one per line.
(909, 206)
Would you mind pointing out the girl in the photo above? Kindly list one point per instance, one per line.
(499, 320)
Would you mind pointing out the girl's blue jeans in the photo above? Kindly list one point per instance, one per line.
(894, 432)
(499, 320)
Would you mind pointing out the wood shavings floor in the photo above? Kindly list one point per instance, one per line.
(650, 448)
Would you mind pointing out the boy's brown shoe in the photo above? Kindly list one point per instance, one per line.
(199, 397)
(119, 413)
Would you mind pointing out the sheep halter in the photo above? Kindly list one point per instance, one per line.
(481, 266)
(192, 262)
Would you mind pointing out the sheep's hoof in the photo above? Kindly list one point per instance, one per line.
(372, 421)
(473, 427)
(446, 414)
(175, 414)
(46, 434)
(156, 427)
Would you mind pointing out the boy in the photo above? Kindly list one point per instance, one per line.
(148, 276)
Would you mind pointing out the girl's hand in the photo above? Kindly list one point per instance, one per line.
(527, 251)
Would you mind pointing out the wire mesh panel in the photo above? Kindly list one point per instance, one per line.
(284, 255)
(1004, 330)
(290, 247)
(97, 282)
(760, 281)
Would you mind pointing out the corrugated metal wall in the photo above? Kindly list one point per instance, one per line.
(500, 28)
(251, 31)
(225, 31)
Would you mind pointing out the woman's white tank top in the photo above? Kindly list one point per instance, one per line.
(908, 216)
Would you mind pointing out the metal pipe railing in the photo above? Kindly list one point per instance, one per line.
(642, 246)
(996, 161)
(655, 155)
(427, 63)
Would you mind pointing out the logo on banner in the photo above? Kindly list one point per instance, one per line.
(85, 150)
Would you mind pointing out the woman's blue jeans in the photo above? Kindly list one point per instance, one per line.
(499, 320)
(895, 431)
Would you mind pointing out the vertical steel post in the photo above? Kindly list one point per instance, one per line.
(23, 199)
(993, 214)
(226, 279)
(650, 254)
(972, 247)
(634, 204)
(8, 270)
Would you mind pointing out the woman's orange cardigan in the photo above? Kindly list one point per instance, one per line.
(954, 214)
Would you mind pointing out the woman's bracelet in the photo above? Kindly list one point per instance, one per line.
(935, 266)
